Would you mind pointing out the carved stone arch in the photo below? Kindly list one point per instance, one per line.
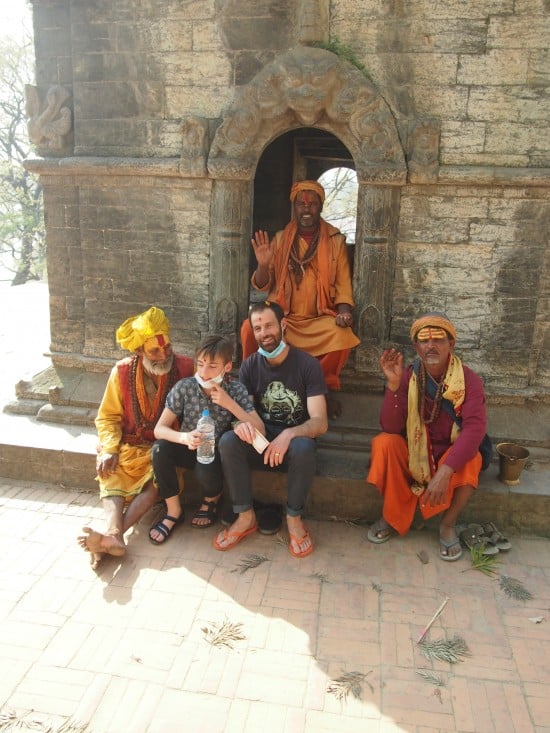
(308, 87)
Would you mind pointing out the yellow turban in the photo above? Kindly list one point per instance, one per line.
(436, 320)
(307, 186)
(135, 331)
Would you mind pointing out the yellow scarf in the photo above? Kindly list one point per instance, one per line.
(421, 461)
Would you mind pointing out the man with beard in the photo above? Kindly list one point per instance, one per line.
(305, 269)
(132, 403)
(434, 421)
(289, 390)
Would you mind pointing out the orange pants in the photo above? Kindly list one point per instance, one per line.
(389, 472)
(331, 363)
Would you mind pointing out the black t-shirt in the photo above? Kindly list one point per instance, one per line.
(280, 392)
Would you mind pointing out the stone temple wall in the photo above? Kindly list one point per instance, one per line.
(135, 96)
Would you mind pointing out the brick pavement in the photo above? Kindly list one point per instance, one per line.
(125, 650)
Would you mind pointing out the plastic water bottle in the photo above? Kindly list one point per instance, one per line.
(207, 449)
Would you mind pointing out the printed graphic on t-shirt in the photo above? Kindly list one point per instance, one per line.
(281, 405)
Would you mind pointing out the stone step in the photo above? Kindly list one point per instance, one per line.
(65, 455)
(71, 397)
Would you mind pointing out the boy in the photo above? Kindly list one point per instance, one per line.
(226, 401)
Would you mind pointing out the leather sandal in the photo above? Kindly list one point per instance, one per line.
(163, 529)
(210, 514)
(474, 537)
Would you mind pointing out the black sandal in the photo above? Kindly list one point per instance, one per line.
(211, 514)
(163, 529)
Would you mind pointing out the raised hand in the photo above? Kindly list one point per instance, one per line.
(263, 249)
(391, 362)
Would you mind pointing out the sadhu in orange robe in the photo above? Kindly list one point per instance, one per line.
(310, 305)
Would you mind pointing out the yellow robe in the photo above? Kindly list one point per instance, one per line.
(134, 467)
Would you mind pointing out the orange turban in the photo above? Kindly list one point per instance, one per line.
(135, 331)
(307, 186)
(435, 320)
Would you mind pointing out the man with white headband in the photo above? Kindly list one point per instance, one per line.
(434, 421)
(131, 405)
(226, 400)
(289, 391)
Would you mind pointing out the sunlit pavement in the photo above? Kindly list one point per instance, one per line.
(126, 650)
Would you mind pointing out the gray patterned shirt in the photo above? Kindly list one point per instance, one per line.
(187, 401)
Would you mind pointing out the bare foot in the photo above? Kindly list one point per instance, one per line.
(300, 540)
(99, 544)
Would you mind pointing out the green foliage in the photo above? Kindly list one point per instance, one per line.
(486, 564)
(349, 682)
(343, 51)
(514, 588)
(445, 650)
(22, 251)
(430, 676)
(249, 562)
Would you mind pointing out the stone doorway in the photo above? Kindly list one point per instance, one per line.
(314, 100)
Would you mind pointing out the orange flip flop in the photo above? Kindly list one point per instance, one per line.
(226, 534)
(299, 542)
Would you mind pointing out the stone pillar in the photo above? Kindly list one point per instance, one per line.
(375, 250)
(65, 284)
(229, 254)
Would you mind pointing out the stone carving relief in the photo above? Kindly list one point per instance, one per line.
(309, 87)
(194, 149)
(423, 144)
(49, 120)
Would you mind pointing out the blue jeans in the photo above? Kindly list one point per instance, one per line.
(239, 458)
(167, 455)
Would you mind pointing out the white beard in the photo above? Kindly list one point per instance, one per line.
(158, 368)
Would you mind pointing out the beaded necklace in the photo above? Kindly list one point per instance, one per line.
(146, 414)
(297, 264)
(436, 407)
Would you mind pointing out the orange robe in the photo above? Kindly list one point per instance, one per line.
(310, 306)
(389, 472)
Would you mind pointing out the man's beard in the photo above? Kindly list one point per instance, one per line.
(158, 368)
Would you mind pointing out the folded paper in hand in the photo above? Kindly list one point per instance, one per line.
(259, 442)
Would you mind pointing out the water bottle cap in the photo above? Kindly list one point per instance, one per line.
(206, 412)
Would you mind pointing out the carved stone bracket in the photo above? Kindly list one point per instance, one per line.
(314, 88)
(49, 119)
(423, 150)
(194, 147)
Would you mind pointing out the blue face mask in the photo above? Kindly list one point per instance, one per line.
(272, 354)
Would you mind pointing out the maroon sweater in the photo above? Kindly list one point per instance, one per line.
(393, 419)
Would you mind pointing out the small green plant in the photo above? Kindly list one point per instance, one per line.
(343, 51)
(486, 564)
